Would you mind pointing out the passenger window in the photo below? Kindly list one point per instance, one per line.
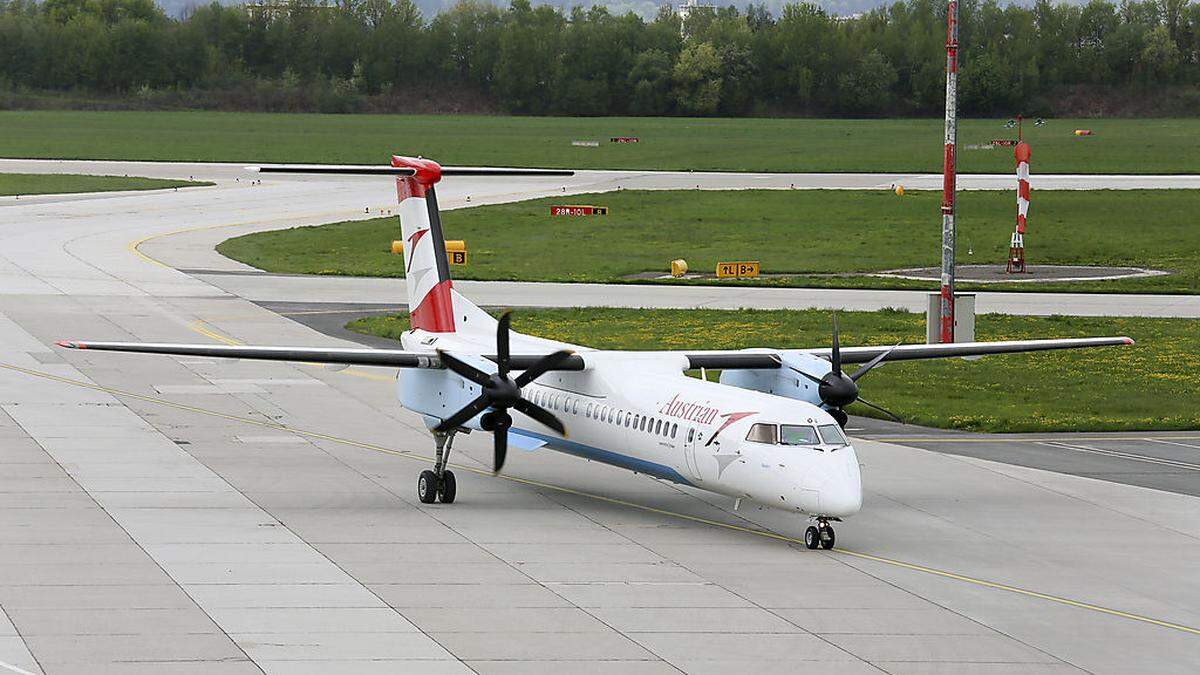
(611, 415)
(763, 433)
(674, 428)
(636, 420)
(575, 407)
(588, 412)
(691, 435)
(795, 434)
(642, 425)
(658, 426)
(831, 434)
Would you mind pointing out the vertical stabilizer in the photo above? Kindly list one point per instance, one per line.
(426, 271)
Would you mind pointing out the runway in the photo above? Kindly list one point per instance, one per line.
(196, 516)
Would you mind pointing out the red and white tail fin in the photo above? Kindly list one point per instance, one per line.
(426, 271)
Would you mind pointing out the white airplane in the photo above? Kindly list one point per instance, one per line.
(769, 431)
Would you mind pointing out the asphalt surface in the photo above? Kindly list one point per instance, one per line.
(168, 515)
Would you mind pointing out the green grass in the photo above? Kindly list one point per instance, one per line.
(1152, 385)
(1118, 146)
(804, 232)
(59, 183)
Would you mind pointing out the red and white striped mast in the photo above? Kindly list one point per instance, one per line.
(949, 171)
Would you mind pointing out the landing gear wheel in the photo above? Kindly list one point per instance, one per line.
(448, 488)
(427, 487)
(839, 416)
(827, 537)
(812, 538)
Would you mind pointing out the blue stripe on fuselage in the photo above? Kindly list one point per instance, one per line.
(609, 457)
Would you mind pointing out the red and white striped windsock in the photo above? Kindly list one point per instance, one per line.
(1022, 155)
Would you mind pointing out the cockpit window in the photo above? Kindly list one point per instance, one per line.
(831, 434)
(794, 434)
(762, 433)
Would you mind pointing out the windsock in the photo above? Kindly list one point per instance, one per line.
(1022, 155)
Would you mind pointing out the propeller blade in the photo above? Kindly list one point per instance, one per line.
(836, 352)
(881, 409)
(541, 415)
(542, 366)
(872, 363)
(459, 418)
(502, 352)
(464, 369)
(500, 437)
(814, 378)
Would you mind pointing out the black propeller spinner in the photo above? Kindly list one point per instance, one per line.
(499, 392)
(837, 389)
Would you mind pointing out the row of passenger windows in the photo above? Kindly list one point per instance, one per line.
(552, 400)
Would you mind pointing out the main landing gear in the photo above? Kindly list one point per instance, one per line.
(819, 535)
(438, 483)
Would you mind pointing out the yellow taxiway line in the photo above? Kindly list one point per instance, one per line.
(983, 583)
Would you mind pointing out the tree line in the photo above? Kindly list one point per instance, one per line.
(341, 57)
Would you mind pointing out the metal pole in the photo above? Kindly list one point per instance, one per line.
(949, 187)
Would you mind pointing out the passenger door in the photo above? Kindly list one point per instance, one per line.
(690, 439)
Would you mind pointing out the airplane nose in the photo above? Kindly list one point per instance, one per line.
(841, 495)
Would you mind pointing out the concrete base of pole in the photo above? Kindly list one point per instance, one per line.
(964, 318)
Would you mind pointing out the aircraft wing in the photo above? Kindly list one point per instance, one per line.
(393, 358)
(761, 359)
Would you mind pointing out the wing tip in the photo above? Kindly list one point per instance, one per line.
(1127, 340)
(252, 169)
(70, 344)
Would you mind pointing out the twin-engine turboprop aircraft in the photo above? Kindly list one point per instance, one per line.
(769, 431)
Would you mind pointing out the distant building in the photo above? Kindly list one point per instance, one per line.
(685, 10)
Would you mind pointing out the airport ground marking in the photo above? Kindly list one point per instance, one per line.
(134, 246)
(16, 669)
(1122, 455)
(1164, 441)
(983, 583)
(950, 438)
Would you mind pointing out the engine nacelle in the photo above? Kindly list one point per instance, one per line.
(783, 381)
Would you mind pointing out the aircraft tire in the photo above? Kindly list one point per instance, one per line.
(427, 487)
(827, 541)
(449, 488)
(812, 538)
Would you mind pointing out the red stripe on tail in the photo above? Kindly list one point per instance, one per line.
(436, 311)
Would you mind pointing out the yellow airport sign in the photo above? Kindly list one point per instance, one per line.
(456, 250)
(744, 269)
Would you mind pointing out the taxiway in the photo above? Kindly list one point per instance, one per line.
(197, 516)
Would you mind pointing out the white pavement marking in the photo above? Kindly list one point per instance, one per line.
(1123, 455)
(1183, 445)
(15, 669)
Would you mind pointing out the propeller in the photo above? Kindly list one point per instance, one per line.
(837, 389)
(499, 392)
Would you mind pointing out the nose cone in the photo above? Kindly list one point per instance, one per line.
(841, 495)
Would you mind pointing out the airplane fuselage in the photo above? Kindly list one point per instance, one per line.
(647, 416)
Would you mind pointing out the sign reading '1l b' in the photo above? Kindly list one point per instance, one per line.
(737, 270)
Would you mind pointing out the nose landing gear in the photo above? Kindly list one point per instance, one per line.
(819, 535)
(438, 483)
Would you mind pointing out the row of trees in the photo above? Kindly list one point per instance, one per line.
(526, 59)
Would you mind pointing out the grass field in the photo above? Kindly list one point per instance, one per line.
(806, 232)
(1151, 385)
(1117, 146)
(58, 183)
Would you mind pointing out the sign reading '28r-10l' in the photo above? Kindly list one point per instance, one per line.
(578, 210)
